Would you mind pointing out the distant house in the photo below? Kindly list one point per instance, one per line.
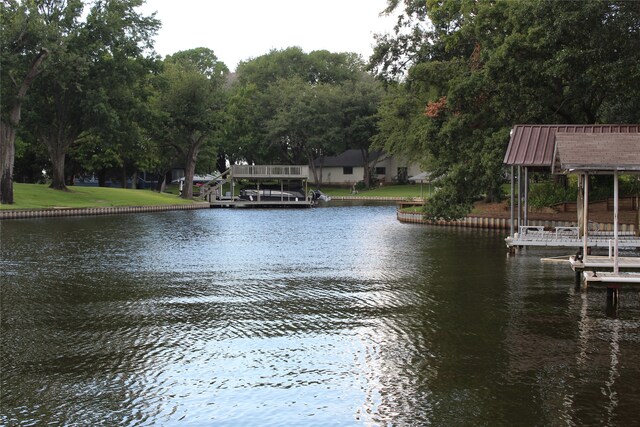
(348, 168)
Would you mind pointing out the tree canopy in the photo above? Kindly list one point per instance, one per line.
(471, 70)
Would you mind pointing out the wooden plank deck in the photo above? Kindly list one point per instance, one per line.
(600, 262)
(606, 278)
(565, 237)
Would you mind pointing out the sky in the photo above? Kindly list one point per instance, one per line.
(238, 30)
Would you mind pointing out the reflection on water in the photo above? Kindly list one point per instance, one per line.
(330, 316)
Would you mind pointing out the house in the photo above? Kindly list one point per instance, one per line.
(348, 168)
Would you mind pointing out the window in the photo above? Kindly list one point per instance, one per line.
(381, 170)
(347, 170)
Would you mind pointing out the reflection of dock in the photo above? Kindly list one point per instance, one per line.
(270, 186)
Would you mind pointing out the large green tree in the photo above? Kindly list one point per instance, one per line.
(292, 107)
(471, 70)
(190, 102)
(24, 46)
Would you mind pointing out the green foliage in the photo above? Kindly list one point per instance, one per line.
(292, 107)
(481, 67)
(548, 193)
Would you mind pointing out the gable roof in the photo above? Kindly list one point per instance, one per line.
(533, 145)
(352, 157)
(596, 152)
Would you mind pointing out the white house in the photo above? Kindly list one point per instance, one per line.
(347, 168)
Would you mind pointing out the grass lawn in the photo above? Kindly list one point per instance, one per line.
(400, 190)
(40, 196)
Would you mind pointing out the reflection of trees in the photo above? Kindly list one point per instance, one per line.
(433, 351)
(564, 351)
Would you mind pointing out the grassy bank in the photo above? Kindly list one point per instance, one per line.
(40, 196)
(401, 190)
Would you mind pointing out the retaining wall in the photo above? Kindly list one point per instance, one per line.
(499, 223)
(59, 212)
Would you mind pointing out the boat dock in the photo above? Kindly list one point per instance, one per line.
(586, 151)
(536, 235)
(268, 186)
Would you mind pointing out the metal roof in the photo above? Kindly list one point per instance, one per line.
(597, 152)
(532, 145)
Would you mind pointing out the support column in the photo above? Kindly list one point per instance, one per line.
(585, 217)
(513, 199)
(616, 268)
(526, 195)
(519, 197)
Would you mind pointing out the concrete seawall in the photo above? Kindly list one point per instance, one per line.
(498, 223)
(112, 210)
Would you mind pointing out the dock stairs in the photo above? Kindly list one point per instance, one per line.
(212, 190)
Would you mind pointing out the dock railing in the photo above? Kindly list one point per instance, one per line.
(270, 171)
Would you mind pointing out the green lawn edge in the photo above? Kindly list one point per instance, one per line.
(40, 196)
(407, 191)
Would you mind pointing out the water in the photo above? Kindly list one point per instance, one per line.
(333, 316)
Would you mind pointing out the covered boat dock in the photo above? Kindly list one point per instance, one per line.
(533, 148)
(597, 154)
(269, 186)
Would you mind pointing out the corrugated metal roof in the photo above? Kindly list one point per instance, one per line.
(532, 145)
(597, 152)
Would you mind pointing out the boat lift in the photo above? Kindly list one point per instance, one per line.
(221, 192)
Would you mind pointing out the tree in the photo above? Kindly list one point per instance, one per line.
(22, 52)
(289, 106)
(55, 112)
(307, 122)
(116, 41)
(480, 67)
(191, 101)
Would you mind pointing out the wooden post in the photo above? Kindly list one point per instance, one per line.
(616, 268)
(513, 199)
(519, 197)
(526, 195)
(585, 220)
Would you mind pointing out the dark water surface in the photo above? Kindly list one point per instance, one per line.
(329, 316)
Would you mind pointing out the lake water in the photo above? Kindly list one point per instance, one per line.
(333, 316)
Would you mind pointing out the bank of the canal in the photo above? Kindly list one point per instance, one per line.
(40, 201)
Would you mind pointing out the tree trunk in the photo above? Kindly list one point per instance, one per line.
(190, 167)
(314, 170)
(56, 154)
(7, 158)
(221, 162)
(367, 170)
(163, 183)
(8, 130)
(134, 181)
(102, 178)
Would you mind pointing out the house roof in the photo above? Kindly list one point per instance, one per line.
(352, 157)
(533, 145)
(596, 152)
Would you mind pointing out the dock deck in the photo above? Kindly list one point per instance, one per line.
(569, 237)
(609, 279)
(599, 262)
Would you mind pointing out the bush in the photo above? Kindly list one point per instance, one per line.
(548, 193)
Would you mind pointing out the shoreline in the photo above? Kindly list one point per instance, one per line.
(501, 223)
(110, 210)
